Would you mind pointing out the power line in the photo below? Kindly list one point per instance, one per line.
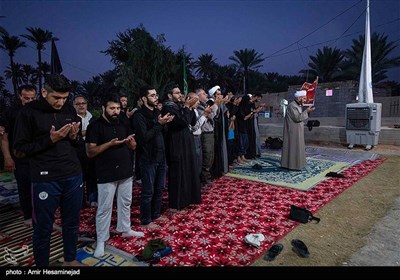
(74, 66)
(64, 62)
(331, 40)
(315, 30)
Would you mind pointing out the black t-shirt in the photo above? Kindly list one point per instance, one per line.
(115, 163)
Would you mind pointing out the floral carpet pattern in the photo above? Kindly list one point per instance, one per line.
(212, 233)
(272, 173)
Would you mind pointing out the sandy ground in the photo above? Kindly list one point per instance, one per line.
(359, 227)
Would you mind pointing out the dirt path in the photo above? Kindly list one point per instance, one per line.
(347, 220)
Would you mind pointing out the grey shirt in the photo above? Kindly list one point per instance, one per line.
(208, 126)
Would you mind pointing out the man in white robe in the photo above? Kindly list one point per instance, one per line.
(293, 150)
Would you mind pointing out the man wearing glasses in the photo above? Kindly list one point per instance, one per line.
(81, 105)
(148, 124)
(88, 170)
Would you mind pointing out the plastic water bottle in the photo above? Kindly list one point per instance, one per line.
(164, 252)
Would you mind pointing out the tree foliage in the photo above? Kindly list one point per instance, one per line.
(326, 64)
(141, 59)
(381, 61)
(246, 60)
(11, 44)
(39, 37)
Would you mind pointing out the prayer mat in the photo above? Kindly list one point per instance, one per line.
(16, 240)
(270, 172)
(212, 233)
(112, 257)
(8, 215)
(8, 189)
(16, 247)
(6, 177)
(345, 155)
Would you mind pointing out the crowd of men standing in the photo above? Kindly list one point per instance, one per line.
(57, 149)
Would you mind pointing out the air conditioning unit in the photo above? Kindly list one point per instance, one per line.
(363, 124)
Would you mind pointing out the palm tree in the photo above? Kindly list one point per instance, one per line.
(227, 78)
(5, 96)
(247, 59)
(2, 83)
(204, 67)
(10, 44)
(326, 64)
(93, 91)
(3, 31)
(17, 73)
(40, 37)
(380, 62)
(29, 75)
(76, 89)
(46, 69)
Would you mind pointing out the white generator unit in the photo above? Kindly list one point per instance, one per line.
(363, 124)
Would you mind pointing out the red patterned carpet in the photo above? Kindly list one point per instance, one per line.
(211, 234)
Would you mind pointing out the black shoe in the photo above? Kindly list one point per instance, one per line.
(335, 175)
(273, 252)
(300, 248)
(257, 166)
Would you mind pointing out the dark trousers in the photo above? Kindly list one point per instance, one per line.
(243, 143)
(47, 197)
(198, 150)
(89, 177)
(153, 183)
(231, 151)
(22, 174)
(207, 146)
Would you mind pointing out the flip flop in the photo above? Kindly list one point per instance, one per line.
(273, 252)
(300, 248)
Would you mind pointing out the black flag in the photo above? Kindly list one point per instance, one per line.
(56, 67)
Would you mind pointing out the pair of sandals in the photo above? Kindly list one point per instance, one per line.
(298, 247)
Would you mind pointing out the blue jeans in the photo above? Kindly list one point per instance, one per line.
(47, 197)
(153, 183)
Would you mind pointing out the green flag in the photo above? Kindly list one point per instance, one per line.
(185, 84)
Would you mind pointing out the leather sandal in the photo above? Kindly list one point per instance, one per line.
(273, 252)
(300, 248)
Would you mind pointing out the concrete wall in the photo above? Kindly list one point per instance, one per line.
(329, 133)
(338, 121)
(330, 111)
(333, 106)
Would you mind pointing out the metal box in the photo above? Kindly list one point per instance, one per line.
(363, 124)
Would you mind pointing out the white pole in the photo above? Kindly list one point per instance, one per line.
(365, 94)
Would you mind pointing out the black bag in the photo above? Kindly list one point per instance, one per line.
(313, 123)
(301, 215)
(273, 143)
